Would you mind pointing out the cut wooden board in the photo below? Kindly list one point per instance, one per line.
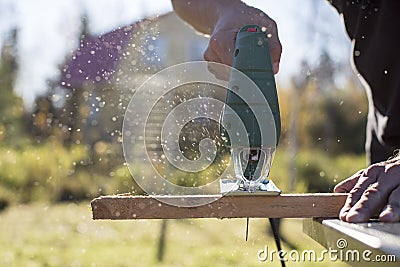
(125, 207)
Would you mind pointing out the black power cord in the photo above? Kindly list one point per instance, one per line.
(275, 231)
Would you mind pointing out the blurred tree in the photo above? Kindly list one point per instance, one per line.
(332, 117)
(75, 111)
(299, 83)
(324, 73)
(11, 106)
(42, 118)
(324, 76)
(345, 116)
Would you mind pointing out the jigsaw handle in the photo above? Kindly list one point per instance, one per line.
(252, 57)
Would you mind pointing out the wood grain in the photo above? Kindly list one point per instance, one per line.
(128, 207)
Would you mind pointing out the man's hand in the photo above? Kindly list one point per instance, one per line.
(222, 39)
(375, 190)
(222, 20)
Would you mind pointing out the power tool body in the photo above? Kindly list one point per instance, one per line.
(253, 162)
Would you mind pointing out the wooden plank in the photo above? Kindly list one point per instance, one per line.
(122, 207)
(353, 242)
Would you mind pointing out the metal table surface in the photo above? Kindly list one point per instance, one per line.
(362, 244)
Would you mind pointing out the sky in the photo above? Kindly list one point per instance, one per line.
(49, 30)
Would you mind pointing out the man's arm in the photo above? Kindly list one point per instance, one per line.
(222, 19)
(203, 14)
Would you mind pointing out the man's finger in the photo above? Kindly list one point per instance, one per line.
(276, 67)
(368, 177)
(391, 212)
(210, 55)
(375, 196)
(220, 71)
(276, 51)
(222, 44)
(369, 204)
(275, 45)
(355, 195)
(345, 186)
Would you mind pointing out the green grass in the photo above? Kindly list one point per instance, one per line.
(65, 235)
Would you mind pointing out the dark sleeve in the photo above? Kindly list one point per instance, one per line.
(338, 4)
(373, 25)
(352, 12)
